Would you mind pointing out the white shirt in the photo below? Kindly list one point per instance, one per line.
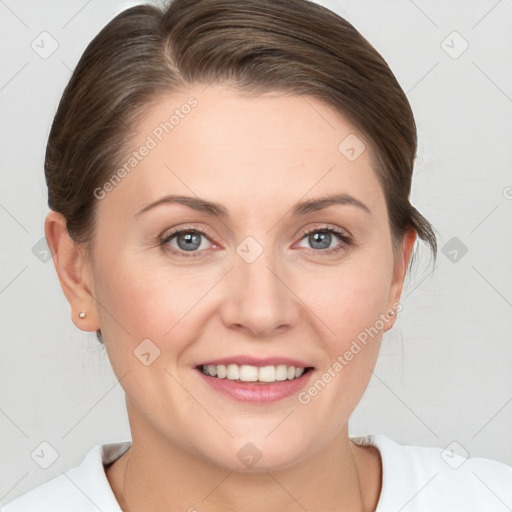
(414, 479)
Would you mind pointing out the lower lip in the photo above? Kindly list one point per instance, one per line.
(257, 391)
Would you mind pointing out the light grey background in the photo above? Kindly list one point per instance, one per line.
(443, 378)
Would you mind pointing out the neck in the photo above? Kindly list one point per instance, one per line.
(157, 475)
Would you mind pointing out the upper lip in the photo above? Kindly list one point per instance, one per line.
(256, 361)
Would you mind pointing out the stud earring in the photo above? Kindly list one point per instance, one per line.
(83, 314)
(391, 313)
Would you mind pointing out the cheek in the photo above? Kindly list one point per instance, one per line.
(350, 298)
(351, 301)
(350, 306)
(142, 299)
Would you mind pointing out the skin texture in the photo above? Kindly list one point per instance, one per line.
(257, 156)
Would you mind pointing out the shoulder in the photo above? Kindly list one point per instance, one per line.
(81, 489)
(418, 478)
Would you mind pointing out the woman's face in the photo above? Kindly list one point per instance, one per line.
(270, 276)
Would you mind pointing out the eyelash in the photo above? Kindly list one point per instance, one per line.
(346, 241)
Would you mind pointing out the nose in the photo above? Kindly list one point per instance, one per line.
(258, 300)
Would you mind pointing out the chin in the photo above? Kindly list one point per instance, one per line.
(275, 453)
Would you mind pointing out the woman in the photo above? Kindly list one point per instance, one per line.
(229, 190)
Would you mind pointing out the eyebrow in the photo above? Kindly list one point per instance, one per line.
(217, 210)
(192, 202)
(313, 205)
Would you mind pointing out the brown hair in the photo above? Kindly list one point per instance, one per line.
(294, 46)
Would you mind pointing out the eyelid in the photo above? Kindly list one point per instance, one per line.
(178, 229)
(343, 233)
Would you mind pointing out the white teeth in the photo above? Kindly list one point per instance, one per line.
(221, 371)
(267, 374)
(233, 372)
(248, 373)
(281, 372)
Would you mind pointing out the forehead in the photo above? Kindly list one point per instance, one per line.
(243, 150)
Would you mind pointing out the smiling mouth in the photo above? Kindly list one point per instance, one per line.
(248, 373)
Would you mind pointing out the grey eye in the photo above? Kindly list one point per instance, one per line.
(188, 241)
(320, 240)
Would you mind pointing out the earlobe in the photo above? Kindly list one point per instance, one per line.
(73, 271)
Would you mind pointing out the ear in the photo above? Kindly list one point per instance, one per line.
(73, 270)
(401, 264)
